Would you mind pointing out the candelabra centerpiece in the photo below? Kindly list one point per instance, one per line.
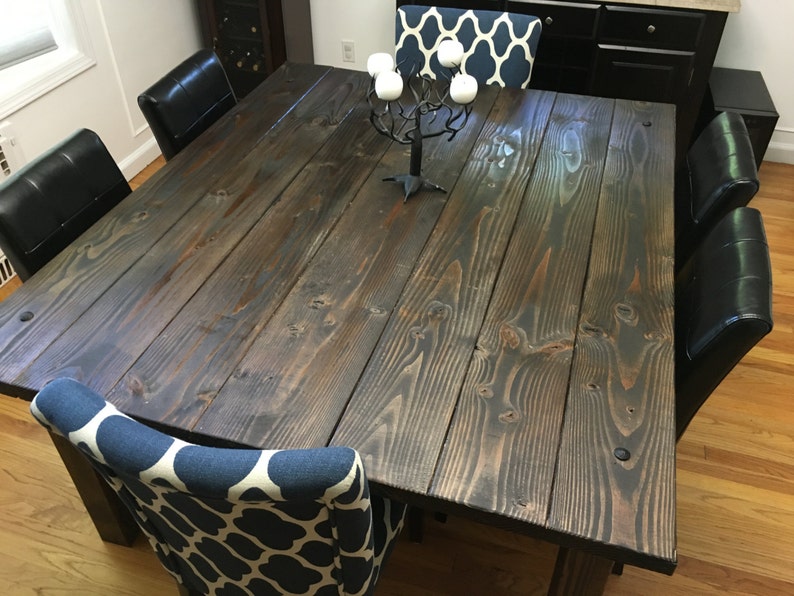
(435, 108)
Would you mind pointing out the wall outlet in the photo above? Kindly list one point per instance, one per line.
(348, 50)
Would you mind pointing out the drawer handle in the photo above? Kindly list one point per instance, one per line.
(548, 21)
(651, 29)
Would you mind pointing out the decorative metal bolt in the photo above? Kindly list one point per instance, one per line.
(622, 453)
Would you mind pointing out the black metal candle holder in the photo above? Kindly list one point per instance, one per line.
(429, 115)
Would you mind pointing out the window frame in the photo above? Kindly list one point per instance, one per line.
(25, 82)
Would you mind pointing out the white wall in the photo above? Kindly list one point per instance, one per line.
(757, 38)
(760, 38)
(369, 23)
(134, 44)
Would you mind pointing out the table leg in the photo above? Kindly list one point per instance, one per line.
(112, 520)
(579, 573)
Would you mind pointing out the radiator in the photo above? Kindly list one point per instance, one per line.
(10, 160)
(10, 154)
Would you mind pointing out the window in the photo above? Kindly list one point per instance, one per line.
(25, 31)
(56, 49)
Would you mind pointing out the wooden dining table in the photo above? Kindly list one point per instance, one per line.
(502, 351)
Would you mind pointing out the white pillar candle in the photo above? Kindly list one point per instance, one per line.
(388, 85)
(450, 53)
(463, 88)
(379, 62)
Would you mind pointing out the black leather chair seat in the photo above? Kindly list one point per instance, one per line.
(720, 175)
(186, 101)
(52, 200)
(723, 307)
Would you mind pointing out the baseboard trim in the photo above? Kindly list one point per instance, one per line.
(140, 158)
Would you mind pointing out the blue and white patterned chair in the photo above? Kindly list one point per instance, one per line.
(234, 521)
(499, 47)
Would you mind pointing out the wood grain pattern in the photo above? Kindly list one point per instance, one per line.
(222, 319)
(311, 354)
(621, 388)
(510, 411)
(67, 288)
(735, 499)
(134, 310)
(416, 371)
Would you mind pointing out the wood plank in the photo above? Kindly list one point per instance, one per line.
(313, 351)
(131, 313)
(621, 389)
(78, 276)
(217, 326)
(511, 406)
(399, 414)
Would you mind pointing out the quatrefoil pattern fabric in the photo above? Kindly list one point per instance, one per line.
(234, 521)
(499, 47)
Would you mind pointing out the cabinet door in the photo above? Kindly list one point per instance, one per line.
(642, 74)
(566, 50)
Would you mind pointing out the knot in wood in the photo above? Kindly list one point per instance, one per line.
(417, 333)
(626, 313)
(26, 316)
(135, 385)
(510, 337)
(484, 391)
(318, 303)
(295, 330)
(376, 310)
(655, 335)
(509, 416)
(438, 311)
(593, 386)
(592, 330)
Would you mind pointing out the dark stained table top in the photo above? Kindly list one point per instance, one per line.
(504, 351)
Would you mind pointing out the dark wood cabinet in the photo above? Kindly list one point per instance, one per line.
(626, 51)
(248, 36)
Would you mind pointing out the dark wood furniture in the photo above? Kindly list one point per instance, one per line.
(623, 50)
(248, 36)
(743, 92)
(502, 352)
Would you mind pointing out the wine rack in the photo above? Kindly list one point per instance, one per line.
(247, 36)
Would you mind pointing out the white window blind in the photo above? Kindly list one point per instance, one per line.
(25, 31)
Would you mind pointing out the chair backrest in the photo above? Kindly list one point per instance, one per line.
(237, 521)
(720, 175)
(186, 101)
(48, 203)
(499, 47)
(723, 307)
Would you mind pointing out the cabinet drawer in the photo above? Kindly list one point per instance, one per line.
(646, 27)
(571, 19)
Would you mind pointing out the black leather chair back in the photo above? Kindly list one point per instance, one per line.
(186, 101)
(723, 307)
(720, 175)
(47, 204)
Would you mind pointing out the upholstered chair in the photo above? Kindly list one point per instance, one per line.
(56, 197)
(499, 47)
(723, 307)
(234, 521)
(719, 175)
(186, 101)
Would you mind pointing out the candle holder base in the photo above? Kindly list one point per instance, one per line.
(412, 184)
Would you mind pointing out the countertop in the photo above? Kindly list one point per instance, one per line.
(717, 5)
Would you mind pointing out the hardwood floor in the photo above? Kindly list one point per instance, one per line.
(735, 492)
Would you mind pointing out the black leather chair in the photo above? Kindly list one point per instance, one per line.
(719, 175)
(723, 307)
(52, 200)
(186, 101)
